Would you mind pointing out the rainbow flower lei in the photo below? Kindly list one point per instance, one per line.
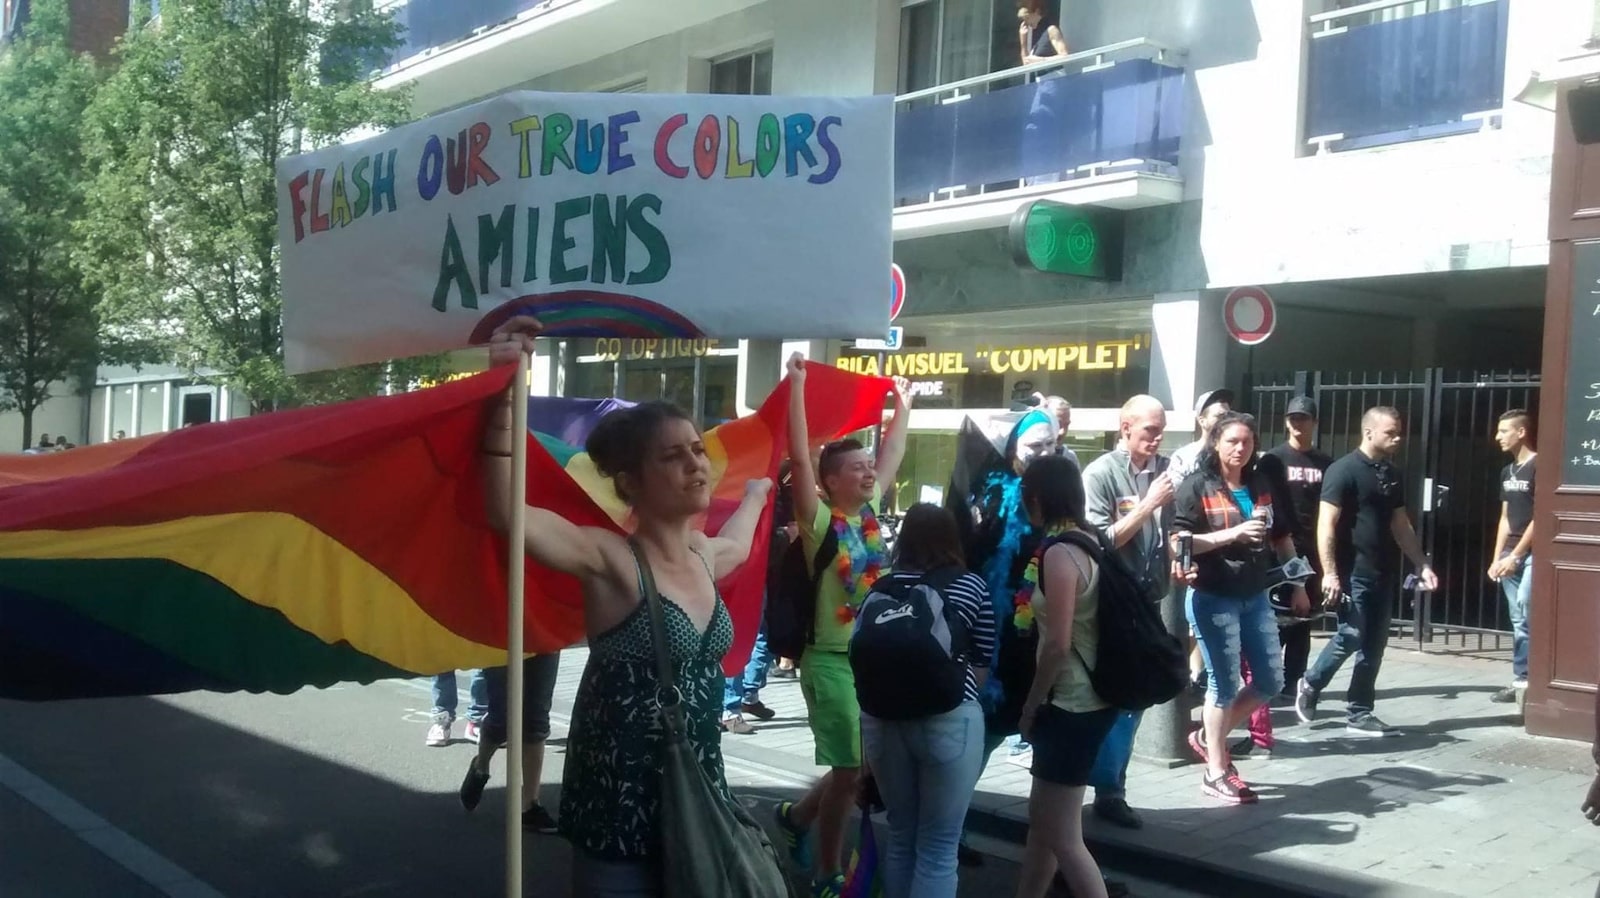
(1022, 602)
(869, 550)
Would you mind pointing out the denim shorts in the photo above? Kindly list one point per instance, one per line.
(1066, 743)
(1229, 629)
(538, 693)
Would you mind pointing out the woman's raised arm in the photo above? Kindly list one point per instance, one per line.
(551, 540)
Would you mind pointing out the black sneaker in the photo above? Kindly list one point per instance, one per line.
(1115, 888)
(537, 819)
(757, 710)
(1305, 701)
(1116, 812)
(1369, 725)
(472, 785)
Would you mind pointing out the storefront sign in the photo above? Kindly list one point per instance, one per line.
(1104, 355)
(897, 336)
(627, 215)
(611, 349)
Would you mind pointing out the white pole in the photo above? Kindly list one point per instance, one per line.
(516, 554)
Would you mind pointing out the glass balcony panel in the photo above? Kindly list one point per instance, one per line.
(1046, 129)
(1408, 78)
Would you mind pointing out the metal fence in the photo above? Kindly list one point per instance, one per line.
(1452, 468)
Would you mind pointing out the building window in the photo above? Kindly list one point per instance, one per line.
(949, 40)
(750, 74)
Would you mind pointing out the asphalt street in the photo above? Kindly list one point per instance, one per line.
(322, 793)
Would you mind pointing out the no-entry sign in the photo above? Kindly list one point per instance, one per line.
(897, 290)
(1249, 314)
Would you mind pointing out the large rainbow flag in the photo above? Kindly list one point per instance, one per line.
(309, 547)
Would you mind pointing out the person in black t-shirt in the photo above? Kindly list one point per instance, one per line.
(1362, 519)
(1513, 541)
(1301, 466)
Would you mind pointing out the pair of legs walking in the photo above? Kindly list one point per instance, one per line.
(926, 771)
(446, 699)
(1233, 634)
(742, 693)
(1065, 745)
(1363, 634)
(828, 686)
(539, 686)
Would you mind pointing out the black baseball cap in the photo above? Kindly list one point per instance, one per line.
(1302, 405)
(1212, 397)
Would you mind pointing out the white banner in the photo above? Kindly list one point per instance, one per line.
(605, 215)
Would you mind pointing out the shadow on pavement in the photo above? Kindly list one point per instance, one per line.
(253, 817)
(1223, 850)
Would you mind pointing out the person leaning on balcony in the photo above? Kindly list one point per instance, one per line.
(1039, 34)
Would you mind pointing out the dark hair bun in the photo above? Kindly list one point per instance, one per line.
(618, 444)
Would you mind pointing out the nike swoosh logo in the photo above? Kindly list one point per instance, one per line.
(894, 614)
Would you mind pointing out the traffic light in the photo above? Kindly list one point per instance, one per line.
(1081, 241)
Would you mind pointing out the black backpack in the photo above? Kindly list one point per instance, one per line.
(791, 615)
(1139, 664)
(909, 648)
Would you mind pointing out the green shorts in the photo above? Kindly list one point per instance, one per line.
(829, 687)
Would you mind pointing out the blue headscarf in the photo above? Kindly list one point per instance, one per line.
(1001, 500)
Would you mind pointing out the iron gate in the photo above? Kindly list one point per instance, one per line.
(1452, 469)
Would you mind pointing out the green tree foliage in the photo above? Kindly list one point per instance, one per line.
(47, 325)
(184, 137)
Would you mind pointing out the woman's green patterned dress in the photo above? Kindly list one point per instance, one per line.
(612, 788)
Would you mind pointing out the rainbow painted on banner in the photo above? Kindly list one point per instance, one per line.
(591, 313)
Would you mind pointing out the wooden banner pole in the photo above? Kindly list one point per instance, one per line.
(515, 568)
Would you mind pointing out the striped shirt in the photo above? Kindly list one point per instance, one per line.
(968, 597)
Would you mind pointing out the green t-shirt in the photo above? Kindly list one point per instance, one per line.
(832, 634)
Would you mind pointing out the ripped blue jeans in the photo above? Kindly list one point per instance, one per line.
(1228, 629)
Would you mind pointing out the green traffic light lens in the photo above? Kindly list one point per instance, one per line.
(1062, 239)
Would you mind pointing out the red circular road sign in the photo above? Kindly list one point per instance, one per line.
(1249, 314)
(897, 291)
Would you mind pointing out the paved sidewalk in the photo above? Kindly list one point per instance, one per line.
(1462, 802)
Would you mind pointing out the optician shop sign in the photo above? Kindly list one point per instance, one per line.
(1099, 355)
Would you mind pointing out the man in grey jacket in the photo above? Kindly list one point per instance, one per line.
(1128, 490)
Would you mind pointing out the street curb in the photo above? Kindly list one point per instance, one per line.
(1287, 877)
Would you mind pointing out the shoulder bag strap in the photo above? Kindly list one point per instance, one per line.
(668, 696)
(1091, 545)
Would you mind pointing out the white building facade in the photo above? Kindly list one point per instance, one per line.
(1366, 164)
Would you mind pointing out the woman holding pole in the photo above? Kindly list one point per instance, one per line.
(654, 455)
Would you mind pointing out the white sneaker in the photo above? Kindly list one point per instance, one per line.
(439, 732)
(1369, 725)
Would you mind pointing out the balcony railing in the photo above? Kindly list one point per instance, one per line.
(1383, 73)
(434, 24)
(1119, 106)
